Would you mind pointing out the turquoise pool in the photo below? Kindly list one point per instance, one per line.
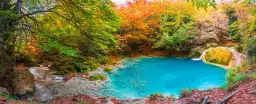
(167, 75)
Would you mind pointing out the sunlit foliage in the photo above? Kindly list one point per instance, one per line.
(148, 23)
(204, 3)
(243, 28)
(218, 55)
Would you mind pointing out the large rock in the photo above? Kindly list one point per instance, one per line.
(207, 36)
(204, 37)
(21, 83)
(76, 86)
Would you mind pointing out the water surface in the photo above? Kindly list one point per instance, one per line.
(167, 75)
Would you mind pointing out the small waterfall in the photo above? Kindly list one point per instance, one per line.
(34, 71)
(201, 57)
(42, 79)
(43, 92)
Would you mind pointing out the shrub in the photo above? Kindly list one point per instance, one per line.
(233, 76)
(67, 64)
(194, 54)
(218, 55)
(156, 96)
(109, 69)
(96, 77)
(24, 59)
(123, 56)
(233, 31)
(51, 45)
(177, 40)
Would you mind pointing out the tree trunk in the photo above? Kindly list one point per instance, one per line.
(251, 52)
(3, 6)
(7, 26)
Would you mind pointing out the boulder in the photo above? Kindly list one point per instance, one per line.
(21, 83)
(207, 36)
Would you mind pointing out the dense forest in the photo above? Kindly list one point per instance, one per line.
(78, 36)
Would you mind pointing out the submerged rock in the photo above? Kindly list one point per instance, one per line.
(75, 86)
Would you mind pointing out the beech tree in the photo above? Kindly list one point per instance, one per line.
(93, 21)
(17, 18)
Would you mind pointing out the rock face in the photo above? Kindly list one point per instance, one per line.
(21, 82)
(207, 36)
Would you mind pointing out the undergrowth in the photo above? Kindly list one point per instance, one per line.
(236, 75)
(8, 96)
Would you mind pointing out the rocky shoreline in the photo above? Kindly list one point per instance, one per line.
(245, 94)
(71, 88)
(50, 86)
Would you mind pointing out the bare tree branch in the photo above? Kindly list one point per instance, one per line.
(35, 12)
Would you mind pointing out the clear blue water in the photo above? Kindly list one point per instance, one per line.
(167, 75)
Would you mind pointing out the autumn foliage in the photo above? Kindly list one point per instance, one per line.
(219, 55)
(141, 21)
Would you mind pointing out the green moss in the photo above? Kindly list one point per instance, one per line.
(109, 69)
(8, 96)
(83, 103)
(123, 56)
(96, 77)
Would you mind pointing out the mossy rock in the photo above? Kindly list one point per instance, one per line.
(156, 96)
(219, 55)
(96, 77)
(109, 70)
(21, 83)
